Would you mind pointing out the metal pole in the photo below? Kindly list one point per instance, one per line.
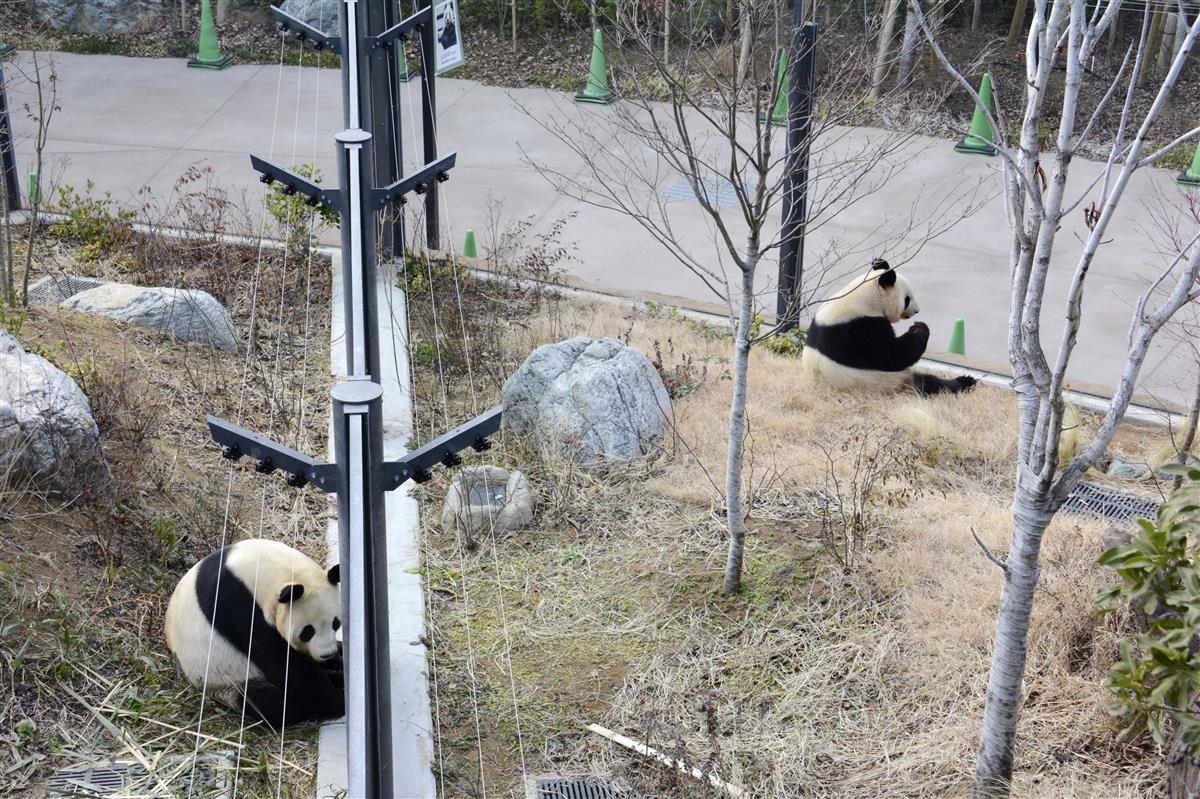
(8, 155)
(802, 67)
(385, 115)
(428, 116)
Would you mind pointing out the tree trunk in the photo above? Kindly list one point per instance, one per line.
(734, 511)
(1017, 27)
(1031, 516)
(183, 16)
(1183, 771)
(729, 20)
(976, 13)
(666, 32)
(1189, 433)
(908, 48)
(1152, 40)
(222, 12)
(747, 31)
(1112, 32)
(1166, 46)
(514, 23)
(887, 26)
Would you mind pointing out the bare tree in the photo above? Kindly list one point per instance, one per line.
(40, 110)
(1038, 208)
(711, 135)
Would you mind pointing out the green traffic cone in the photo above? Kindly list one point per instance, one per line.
(209, 54)
(6, 49)
(778, 114)
(1190, 177)
(958, 338)
(35, 193)
(596, 90)
(979, 141)
(469, 244)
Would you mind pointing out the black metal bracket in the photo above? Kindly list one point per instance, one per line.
(296, 184)
(415, 465)
(400, 29)
(306, 32)
(268, 456)
(419, 182)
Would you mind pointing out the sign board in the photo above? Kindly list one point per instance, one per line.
(448, 46)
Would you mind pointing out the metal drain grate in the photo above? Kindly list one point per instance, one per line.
(485, 494)
(719, 191)
(574, 788)
(54, 289)
(1099, 500)
(122, 778)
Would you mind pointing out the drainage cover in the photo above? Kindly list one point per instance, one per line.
(483, 493)
(719, 191)
(54, 289)
(127, 778)
(1098, 500)
(573, 788)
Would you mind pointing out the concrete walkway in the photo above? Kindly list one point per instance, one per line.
(126, 123)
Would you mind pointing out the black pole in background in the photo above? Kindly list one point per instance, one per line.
(428, 113)
(801, 72)
(8, 155)
(385, 118)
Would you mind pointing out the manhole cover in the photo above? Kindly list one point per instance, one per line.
(122, 778)
(720, 192)
(574, 788)
(54, 289)
(1099, 500)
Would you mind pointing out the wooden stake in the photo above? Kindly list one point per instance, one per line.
(679, 765)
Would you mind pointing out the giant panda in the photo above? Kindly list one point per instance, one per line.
(851, 343)
(254, 617)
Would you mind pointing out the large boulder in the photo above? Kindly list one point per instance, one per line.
(321, 14)
(98, 17)
(186, 314)
(593, 401)
(48, 438)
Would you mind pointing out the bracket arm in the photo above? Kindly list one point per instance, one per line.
(297, 184)
(400, 29)
(418, 181)
(306, 32)
(268, 456)
(415, 465)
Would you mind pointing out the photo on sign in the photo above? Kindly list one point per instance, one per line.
(449, 40)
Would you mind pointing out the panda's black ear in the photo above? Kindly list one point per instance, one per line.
(335, 573)
(888, 279)
(291, 592)
(879, 263)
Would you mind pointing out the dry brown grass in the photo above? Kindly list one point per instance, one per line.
(815, 681)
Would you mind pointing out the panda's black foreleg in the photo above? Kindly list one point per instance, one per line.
(928, 385)
(305, 700)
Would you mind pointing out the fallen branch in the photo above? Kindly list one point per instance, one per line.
(675, 763)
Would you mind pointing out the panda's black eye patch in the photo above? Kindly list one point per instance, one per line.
(337, 625)
(307, 633)
(907, 301)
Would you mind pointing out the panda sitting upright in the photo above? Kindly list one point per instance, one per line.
(851, 343)
(259, 619)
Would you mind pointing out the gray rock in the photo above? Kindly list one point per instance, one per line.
(593, 401)
(1126, 469)
(48, 438)
(98, 16)
(186, 314)
(486, 500)
(8, 343)
(321, 14)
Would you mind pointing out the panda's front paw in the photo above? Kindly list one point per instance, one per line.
(965, 383)
(919, 331)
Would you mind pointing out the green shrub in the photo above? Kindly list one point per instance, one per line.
(299, 222)
(1158, 675)
(96, 223)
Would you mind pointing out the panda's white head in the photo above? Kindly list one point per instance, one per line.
(308, 613)
(881, 292)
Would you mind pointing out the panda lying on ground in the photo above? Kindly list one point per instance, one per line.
(255, 617)
(851, 343)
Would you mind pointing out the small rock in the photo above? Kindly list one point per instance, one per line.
(186, 314)
(593, 401)
(1115, 537)
(1127, 469)
(48, 437)
(487, 499)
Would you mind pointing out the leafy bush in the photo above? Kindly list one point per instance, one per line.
(300, 222)
(1158, 676)
(97, 223)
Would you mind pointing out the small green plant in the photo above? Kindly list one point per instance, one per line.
(96, 223)
(1157, 679)
(26, 732)
(12, 317)
(1178, 158)
(299, 222)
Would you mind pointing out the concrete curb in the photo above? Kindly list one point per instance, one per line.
(412, 745)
